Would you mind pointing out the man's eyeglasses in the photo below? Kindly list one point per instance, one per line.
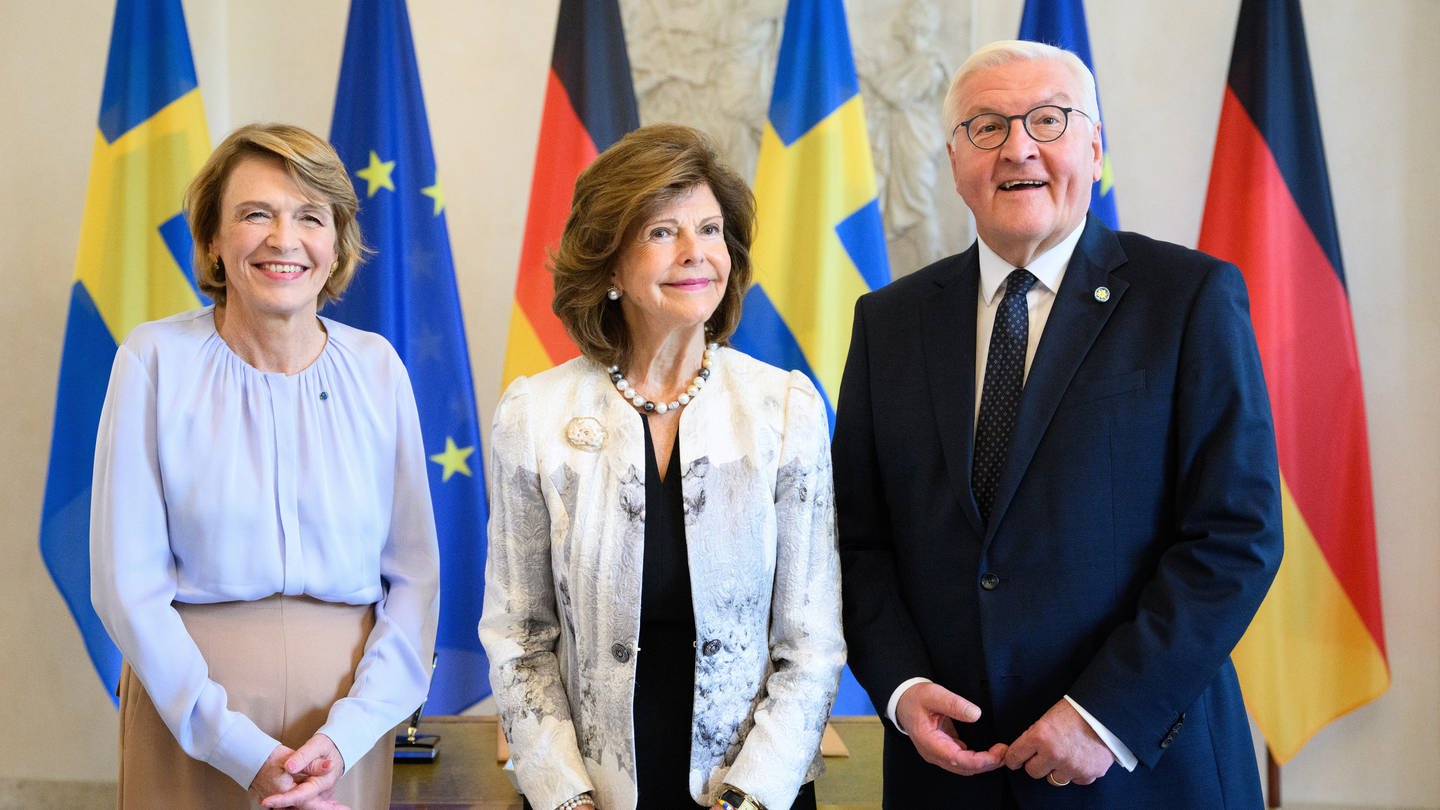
(1044, 123)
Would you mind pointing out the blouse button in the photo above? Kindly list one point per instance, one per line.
(711, 647)
(620, 651)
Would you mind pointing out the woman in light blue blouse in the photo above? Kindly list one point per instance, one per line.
(262, 544)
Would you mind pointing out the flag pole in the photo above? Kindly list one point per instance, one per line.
(1272, 779)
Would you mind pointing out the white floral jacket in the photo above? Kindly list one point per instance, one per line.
(562, 581)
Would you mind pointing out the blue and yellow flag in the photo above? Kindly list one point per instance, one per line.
(1062, 23)
(133, 265)
(407, 293)
(820, 241)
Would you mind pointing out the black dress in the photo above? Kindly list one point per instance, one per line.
(665, 665)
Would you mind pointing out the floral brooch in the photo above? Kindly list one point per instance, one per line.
(585, 433)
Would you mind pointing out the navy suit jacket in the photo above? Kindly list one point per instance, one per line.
(1135, 529)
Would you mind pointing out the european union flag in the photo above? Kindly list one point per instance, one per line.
(820, 242)
(1062, 23)
(407, 293)
(133, 265)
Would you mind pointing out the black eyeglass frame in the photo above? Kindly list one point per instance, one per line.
(1024, 119)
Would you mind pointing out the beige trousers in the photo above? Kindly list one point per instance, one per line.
(283, 661)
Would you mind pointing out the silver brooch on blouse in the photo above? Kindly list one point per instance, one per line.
(585, 433)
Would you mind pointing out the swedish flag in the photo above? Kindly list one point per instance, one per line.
(407, 293)
(133, 265)
(820, 241)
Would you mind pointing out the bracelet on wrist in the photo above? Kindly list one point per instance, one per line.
(733, 798)
(575, 802)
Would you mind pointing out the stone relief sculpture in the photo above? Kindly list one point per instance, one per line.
(904, 77)
(711, 64)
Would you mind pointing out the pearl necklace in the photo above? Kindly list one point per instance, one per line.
(646, 406)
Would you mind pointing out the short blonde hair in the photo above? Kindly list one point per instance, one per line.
(314, 166)
(644, 171)
(1005, 51)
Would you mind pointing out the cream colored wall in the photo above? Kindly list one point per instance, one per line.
(1161, 71)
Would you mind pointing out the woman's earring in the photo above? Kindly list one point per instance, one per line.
(613, 294)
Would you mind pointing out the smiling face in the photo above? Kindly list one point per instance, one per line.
(1026, 196)
(673, 271)
(276, 243)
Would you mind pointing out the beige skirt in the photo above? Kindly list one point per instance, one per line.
(283, 662)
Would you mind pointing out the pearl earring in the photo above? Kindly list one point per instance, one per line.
(613, 294)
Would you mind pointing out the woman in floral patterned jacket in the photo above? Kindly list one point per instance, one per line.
(662, 591)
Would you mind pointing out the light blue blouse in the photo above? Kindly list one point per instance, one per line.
(217, 482)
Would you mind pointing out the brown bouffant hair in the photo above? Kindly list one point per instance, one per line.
(627, 184)
(316, 169)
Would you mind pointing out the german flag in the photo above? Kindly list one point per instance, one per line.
(589, 105)
(1316, 649)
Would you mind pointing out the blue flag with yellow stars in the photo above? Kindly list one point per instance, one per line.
(406, 292)
(1062, 23)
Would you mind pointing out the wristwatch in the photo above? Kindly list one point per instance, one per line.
(733, 798)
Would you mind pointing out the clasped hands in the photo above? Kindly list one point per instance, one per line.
(302, 778)
(1060, 745)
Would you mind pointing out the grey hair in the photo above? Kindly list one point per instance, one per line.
(1005, 51)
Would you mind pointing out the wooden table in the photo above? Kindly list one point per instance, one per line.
(466, 775)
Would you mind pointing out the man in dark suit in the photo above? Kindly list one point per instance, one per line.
(1044, 581)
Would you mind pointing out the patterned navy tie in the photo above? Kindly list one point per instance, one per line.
(1000, 398)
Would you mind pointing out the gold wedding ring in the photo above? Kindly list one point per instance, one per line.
(1050, 777)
